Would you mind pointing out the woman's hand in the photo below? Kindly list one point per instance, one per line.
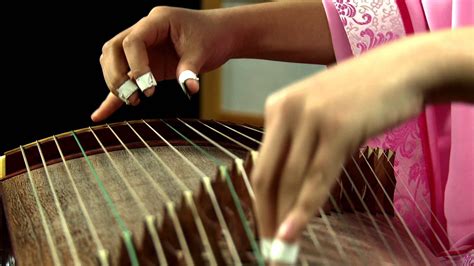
(171, 40)
(314, 125)
(165, 43)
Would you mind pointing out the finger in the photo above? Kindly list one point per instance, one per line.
(190, 61)
(292, 178)
(115, 67)
(188, 81)
(135, 46)
(321, 175)
(265, 177)
(111, 104)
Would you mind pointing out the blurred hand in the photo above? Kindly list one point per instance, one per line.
(312, 127)
(166, 42)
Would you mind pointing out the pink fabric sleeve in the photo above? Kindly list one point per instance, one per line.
(340, 43)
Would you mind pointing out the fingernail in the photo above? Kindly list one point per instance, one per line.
(94, 114)
(149, 92)
(135, 102)
(284, 230)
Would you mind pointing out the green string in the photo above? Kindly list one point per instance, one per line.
(233, 193)
(126, 234)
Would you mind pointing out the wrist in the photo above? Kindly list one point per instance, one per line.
(446, 68)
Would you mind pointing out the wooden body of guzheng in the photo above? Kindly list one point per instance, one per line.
(176, 192)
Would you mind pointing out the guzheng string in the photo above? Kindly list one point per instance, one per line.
(188, 194)
(313, 237)
(327, 224)
(64, 226)
(254, 129)
(232, 156)
(430, 226)
(44, 221)
(126, 234)
(332, 233)
(337, 243)
(316, 244)
(387, 219)
(148, 218)
(416, 205)
(412, 238)
(169, 205)
(366, 208)
(235, 198)
(238, 161)
(102, 253)
(209, 190)
(238, 132)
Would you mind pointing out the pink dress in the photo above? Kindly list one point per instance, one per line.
(434, 161)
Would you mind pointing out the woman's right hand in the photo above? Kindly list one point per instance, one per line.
(165, 43)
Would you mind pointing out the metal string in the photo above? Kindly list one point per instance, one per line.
(170, 204)
(126, 234)
(149, 219)
(189, 199)
(206, 182)
(62, 220)
(401, 181)
(412, 238)
(338, 246)
(238, 132)
(235, 198)
(389, 222)
(44, 222)
(102, 253)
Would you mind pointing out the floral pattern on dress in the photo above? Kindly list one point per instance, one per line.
(368, 24)
(411, 197)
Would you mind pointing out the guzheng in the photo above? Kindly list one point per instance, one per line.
(177, 192)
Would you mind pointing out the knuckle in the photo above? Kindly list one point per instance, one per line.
(129, 41)
(278, 106)
(305, 207)
(261, 183)
(270, 103)
(288, 183)
(116, 82)
(159, 10)
(107, 47)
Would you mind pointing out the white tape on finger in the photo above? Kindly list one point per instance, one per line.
(183, 77)
(146, 81)
(283, 252)
(266, 247)
(126, 90)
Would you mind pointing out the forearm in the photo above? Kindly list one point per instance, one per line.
(288, 31)
(450, 63)
(432, 67)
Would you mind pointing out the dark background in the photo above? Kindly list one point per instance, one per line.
(52, 80)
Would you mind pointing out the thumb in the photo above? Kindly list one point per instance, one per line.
(186, 73)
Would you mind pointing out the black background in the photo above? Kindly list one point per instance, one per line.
(52, 81)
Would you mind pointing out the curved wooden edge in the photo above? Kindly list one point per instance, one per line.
(2, 167)
(80, 130)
